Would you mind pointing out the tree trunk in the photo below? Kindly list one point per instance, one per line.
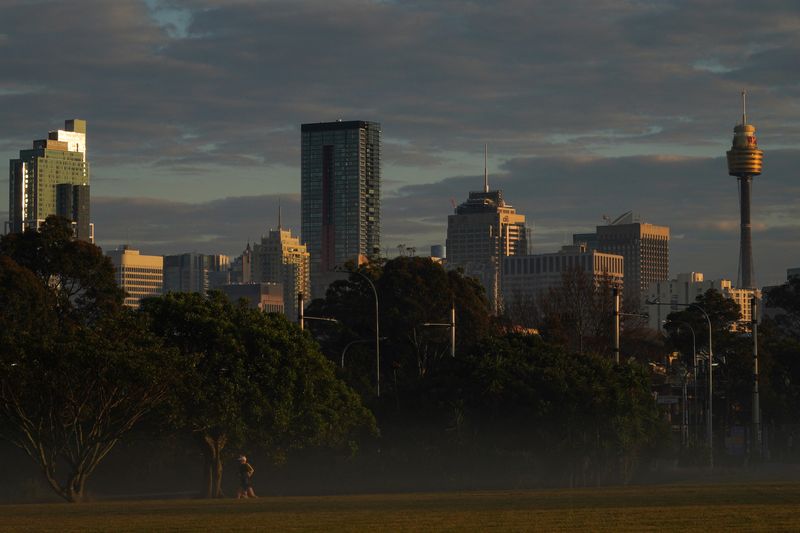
(213, 446)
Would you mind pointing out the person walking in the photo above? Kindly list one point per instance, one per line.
(246, 472)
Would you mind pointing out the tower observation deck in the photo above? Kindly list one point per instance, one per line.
(745, 160)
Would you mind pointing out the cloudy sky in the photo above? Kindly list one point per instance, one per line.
(589, 108)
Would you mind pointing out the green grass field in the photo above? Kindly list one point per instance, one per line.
(722, 507)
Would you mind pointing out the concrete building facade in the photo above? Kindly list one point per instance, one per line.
(527, 277)
(140, 276)
(267, 297)
(281, 258)
(686, 288)
(645, 248)
(481, 232)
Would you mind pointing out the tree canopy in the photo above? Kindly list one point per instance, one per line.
(251, 380)
(77, 370)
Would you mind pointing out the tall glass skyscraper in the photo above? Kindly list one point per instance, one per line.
(52, 178)
(340, 195)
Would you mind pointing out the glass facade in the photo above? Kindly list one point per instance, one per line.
(52, 178)
(340, 194)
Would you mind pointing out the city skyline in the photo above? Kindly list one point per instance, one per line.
(631, 113)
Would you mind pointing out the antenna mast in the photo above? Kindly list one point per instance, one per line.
(279, 214)
(485, 168)
(744, 107)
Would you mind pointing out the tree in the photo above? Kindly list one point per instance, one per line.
(79, 279)
(251, 379)
(77, 370)
(412, 291)
(578, 314)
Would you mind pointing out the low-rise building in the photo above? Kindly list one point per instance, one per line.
(267, 297)
(685, 289)
(140, 276)
(525, 277)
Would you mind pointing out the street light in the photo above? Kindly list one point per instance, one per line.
(694, 365)
(357, 341)
(709, 428)
(451, 325)
(377, 330)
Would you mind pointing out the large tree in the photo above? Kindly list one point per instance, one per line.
(412, 292)
(77, 371)
(251, 379)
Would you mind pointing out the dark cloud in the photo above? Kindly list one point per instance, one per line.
(169, 227)
(199, 99)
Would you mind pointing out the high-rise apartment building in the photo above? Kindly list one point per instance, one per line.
(140, 276)
(482, 231)
(645, 248)
(52, 178)
(340, 195)
(280, 258)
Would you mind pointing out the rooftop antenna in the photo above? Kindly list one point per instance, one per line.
(744, 107)
(485, 168)
(279, 213)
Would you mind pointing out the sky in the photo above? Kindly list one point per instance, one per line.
(589, 109)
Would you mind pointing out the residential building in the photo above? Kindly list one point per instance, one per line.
(645, 248)
(481, 232)
(140, 276)
(280, 258)
(685, 289)
(52, 178)
(267, 297)
(340, 172)
(526, 277)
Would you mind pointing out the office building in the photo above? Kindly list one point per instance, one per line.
(52, 178)
(280, 258)
(686, 288)
(645, 248)
(527, 277)
(193, 272)
(267, 297)
(241, 267)
(792, 273)
(140, 276)
(480, 233)
(340, 196)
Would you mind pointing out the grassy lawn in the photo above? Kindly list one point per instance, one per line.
(721, 507)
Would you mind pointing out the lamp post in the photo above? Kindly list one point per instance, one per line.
(451, 325)
(377, 332)
(694, 367)
(357, 341)
(709, 425)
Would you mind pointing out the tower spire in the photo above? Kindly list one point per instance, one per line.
(485, 168)
(744, 107)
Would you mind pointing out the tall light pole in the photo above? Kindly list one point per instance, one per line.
(709, 425)
(377, 332)
(615, 292)
(756, 406)
(451, 325)
(710, 428)
(694, 367)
